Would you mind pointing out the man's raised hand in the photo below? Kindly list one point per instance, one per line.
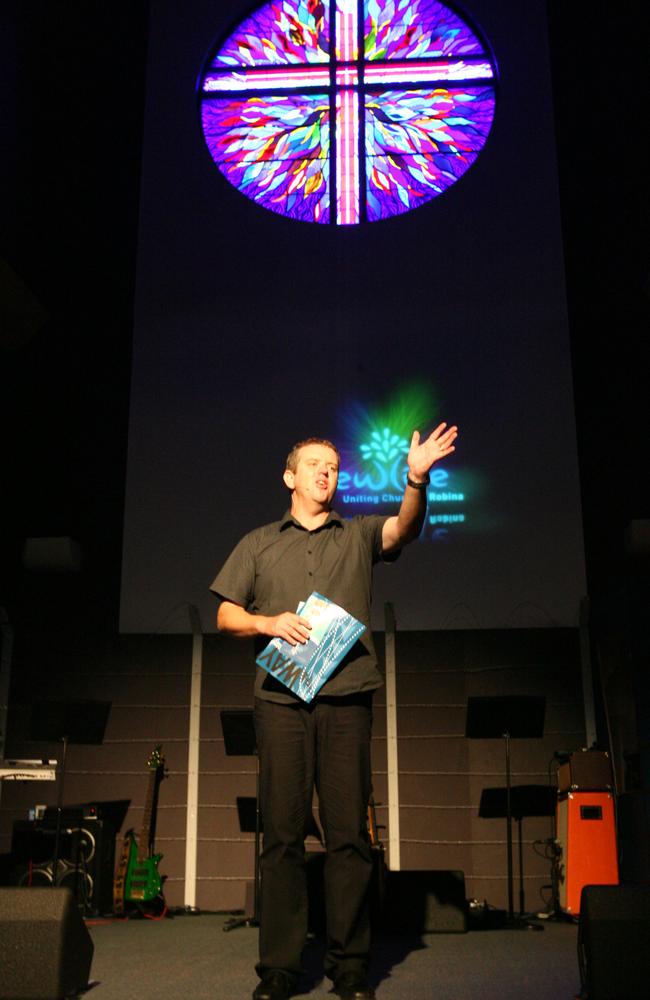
(423, 454)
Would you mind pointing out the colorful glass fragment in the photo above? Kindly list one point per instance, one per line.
(285, 31)
(415, 29)
(412, 113)
(274, 149)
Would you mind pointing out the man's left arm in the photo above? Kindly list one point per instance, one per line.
(407, 524)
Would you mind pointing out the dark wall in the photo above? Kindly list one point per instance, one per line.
(441, 773)
(599, 94)
(73, 96)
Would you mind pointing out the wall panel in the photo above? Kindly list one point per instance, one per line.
(442, 774)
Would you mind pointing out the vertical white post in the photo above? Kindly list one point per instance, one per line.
(391, 742)
(191, 829)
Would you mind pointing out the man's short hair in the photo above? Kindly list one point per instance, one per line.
(292, 457)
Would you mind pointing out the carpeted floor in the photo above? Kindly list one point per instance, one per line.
(190, 958)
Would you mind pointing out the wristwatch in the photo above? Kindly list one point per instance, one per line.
(418, 486)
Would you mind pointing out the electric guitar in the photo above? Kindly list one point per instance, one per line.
(137, 879)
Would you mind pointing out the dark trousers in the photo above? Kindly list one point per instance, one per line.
(326, 743)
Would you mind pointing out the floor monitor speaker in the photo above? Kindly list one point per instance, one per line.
(613, 937)
(46, 947)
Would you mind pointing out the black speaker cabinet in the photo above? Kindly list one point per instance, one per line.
(426, 902)
(633, 816)
(46, 947)
(613, 939)
(86, 860)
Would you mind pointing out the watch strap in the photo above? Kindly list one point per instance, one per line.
(418, 486)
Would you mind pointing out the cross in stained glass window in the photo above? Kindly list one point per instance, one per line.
(346, 111)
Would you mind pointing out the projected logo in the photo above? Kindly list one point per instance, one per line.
(346, 111)
(373, 470)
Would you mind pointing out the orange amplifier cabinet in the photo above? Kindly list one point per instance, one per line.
(586, 831)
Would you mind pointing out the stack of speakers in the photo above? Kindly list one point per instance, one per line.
(586, 826)
(86, 860)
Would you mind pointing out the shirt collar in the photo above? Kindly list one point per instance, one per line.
(289, 519)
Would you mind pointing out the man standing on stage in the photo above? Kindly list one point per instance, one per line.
(326, 742)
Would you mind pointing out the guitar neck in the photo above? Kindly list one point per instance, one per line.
(373, 830)
(148, 828)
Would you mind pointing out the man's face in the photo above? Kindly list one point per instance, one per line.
(316, 475)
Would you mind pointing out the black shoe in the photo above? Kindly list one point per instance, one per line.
(275, 985)
(354, 986)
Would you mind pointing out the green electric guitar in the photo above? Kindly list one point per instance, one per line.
(137, 879)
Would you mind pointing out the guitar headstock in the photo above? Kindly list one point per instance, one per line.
(156, 758)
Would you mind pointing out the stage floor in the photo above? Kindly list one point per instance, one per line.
(191, 958)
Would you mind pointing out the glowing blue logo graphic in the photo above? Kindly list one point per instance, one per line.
(373, 470)
(384, 446)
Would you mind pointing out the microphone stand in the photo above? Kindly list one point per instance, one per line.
(59, 812)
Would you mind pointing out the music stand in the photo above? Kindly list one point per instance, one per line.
(506, 717)
(82, 722)
(525, 800)
(239, 738)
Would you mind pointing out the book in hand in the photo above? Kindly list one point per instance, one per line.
(304, 668)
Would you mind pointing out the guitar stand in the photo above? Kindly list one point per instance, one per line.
(155, 909)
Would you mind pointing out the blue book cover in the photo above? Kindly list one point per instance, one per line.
(304, 668)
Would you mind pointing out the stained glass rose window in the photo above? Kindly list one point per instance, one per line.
(346, 111)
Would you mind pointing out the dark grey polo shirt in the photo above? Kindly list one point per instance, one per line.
(276, 566)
